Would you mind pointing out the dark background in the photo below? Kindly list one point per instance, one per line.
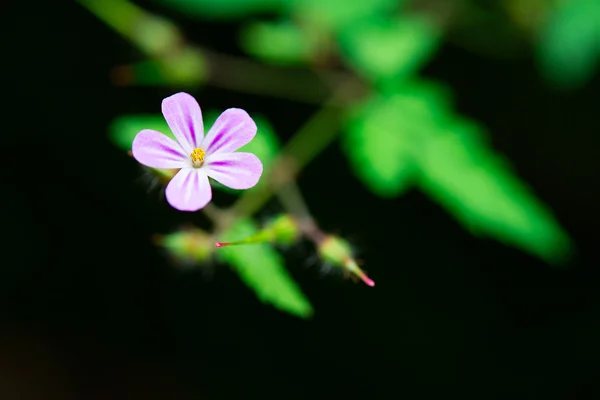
(91, 309)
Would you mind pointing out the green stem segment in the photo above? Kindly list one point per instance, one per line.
(260, 237)
(312, 138)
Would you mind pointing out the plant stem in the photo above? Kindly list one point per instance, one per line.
(311, 86)
(291, 198)
(306, 144)
(212, 212)
(187, 65)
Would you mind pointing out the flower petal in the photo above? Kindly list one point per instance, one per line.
(184, 117)
(189, 190)
(235, 170)
(233, 129)
(153, 149)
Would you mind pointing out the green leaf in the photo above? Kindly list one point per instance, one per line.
(186, 67)
(333, 15)
(383, 134)
(478, 187)
(280, 43)
(569, 48)
(123, 129)
(222, 9)
(385, 48)
(262, 269)
(409, 135)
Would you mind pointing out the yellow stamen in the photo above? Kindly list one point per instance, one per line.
(197, 156)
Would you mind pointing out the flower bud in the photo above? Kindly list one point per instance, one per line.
(188, 244)
(338, 252)
(284, 229)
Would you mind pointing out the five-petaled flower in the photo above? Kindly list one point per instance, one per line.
(199, 157)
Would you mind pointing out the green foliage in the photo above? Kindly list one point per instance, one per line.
(405, 135)
(332, 15)
(569, 50)
(410, 136)
(222, 9)
(477, 186)
(383, 135)
(186, 67)
(281, 42)
(309, 28)
(385, 48)
(262, 269)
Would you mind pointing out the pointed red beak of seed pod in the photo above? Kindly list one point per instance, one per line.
(360, 273)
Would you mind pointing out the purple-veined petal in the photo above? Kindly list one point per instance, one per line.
(235, 170)
(189, 190)
(184, 117)
(153, 149)
(233, 129)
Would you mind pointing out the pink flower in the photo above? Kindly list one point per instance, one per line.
(199, 157)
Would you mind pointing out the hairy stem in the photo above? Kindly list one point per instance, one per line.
(291, 199)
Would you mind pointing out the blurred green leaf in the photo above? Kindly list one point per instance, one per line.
(280, 42)
(184, 67)
(409, 135)
(386, 48)
(222, 9)
(383, 134)
(333, 15)
(262, 269)
(478, 187)
(569, 48)
(123, 129)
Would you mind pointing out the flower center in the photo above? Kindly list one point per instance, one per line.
(197, 157)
